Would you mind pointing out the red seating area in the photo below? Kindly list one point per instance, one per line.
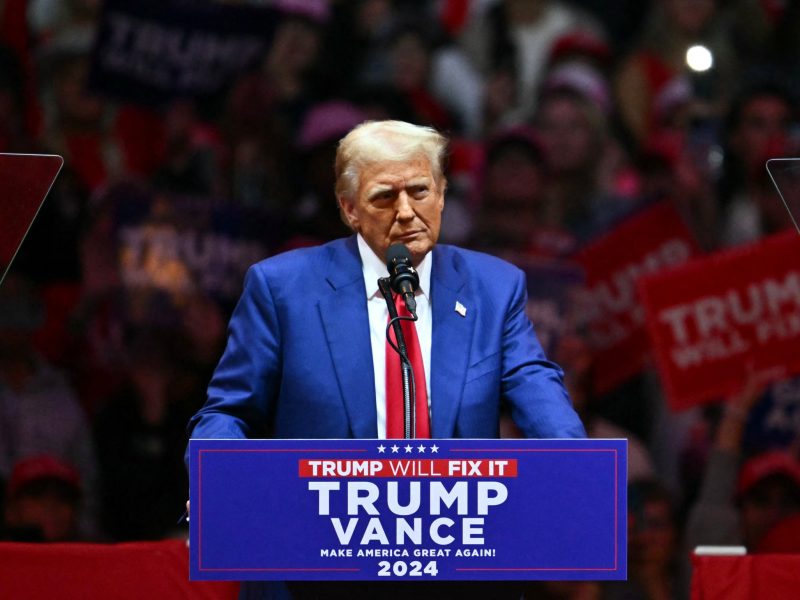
(156, 570)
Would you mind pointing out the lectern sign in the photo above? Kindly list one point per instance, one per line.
(400, 509)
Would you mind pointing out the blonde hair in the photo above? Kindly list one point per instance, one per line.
(380, 141)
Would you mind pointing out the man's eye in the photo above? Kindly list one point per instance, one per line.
(419, 191)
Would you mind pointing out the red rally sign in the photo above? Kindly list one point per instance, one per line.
(714, 318)
(649, 241)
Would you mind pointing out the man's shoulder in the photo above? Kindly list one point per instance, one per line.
(301, 260)
(480, 263)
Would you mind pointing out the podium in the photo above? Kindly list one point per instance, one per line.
(405, 510)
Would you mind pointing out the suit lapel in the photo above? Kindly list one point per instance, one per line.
(452, 334)
(343, 309)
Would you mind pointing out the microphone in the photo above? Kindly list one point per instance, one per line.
(402, 275)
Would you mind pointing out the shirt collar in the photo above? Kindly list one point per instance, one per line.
(373, 269)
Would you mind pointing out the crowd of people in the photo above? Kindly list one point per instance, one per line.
(565, 117)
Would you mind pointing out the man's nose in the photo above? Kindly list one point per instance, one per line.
(405, 211)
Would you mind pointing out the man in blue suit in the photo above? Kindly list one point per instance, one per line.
(305, 356)
(300, 361)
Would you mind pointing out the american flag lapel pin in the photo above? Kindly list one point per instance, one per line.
(461, 309)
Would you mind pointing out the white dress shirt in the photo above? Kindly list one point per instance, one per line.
(374, 269)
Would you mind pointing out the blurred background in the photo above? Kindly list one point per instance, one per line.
(199, 137)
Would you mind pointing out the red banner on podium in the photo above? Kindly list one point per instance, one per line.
(714, 318)
(650, 241)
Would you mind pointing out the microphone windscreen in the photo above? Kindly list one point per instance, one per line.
(397, 253)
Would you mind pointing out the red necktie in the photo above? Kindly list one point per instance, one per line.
(394, 386)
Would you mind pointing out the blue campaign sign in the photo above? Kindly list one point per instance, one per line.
(508, 509)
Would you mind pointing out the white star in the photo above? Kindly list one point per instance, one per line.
(421, 449)
(434, 449)
(395, 448)
(408, 449)
(381, 449)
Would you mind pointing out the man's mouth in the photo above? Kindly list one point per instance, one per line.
(409, 235)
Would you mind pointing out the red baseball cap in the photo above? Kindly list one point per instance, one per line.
(44, 466)
(580, 42)
(767, 464)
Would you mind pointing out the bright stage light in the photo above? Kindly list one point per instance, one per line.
(699, 58)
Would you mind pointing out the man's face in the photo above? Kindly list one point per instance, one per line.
(397, 202)
(568, 141)
(761, 131)
(46, 511)
(765, 505)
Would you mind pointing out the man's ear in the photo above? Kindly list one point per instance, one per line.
(348, 213)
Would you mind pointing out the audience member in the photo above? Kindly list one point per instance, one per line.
(190, 157)
(140, 438)
(353, 39)
(653, 536)
(582, 162)
(512, 203)
(39, 411)
(75, 118)
(674, 166)
(44, 496)
(767, 491)
(315, 213)
(287, 71)
(758, 127)
(509, 42)
(660, 57)
(740, 499)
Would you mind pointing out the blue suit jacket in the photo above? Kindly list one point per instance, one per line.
(298, 362)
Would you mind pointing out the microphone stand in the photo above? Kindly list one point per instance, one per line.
(407, 371)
